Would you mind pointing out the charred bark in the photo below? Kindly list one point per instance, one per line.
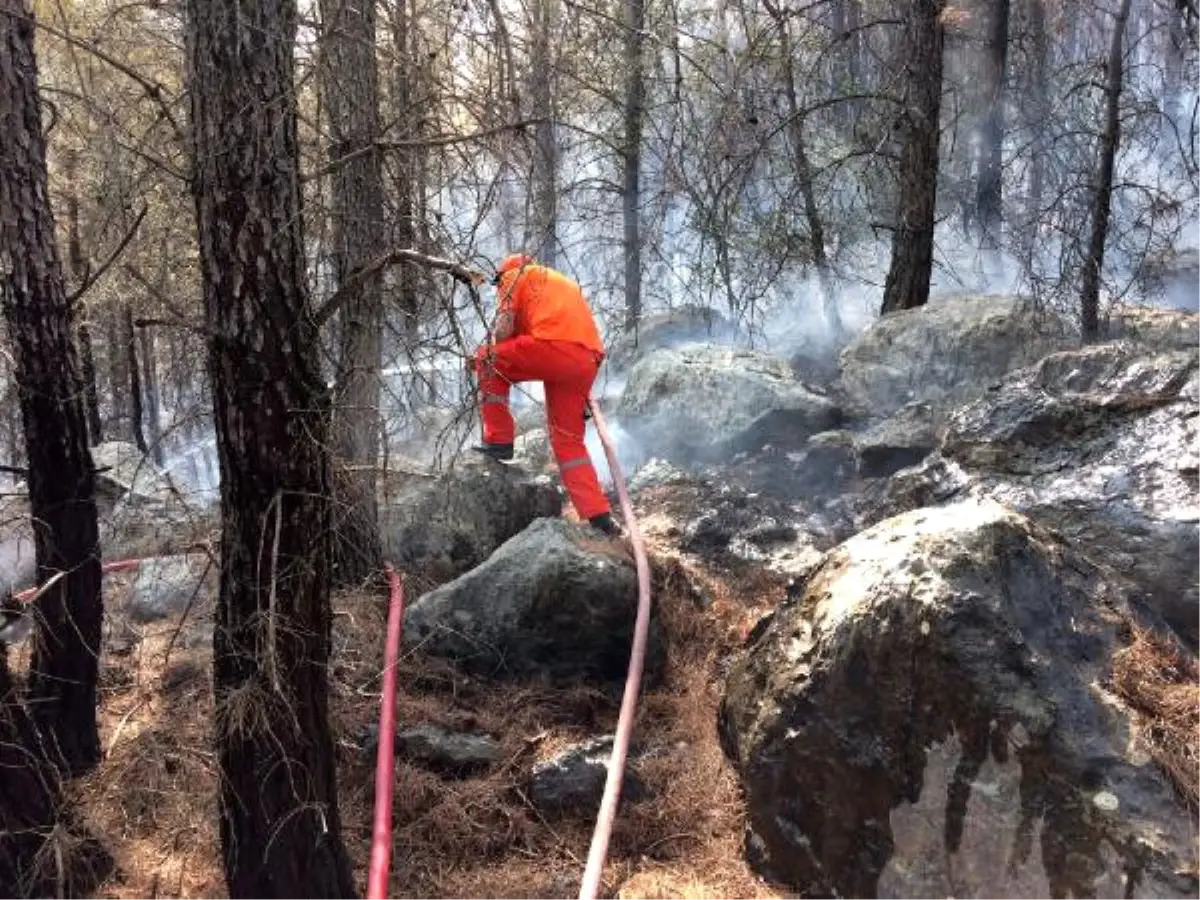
(908, 277)
(64, 665)
(280, 826)
(1110, 140)
(351, 92)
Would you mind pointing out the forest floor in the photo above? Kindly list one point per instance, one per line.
(152, 802)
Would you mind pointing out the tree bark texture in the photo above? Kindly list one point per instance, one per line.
(542, 231)
(989, 192)
(907, 284)
(631, 158)
(137, 412)
(280, 827)
(351, 89)
(1110, 140)
(405, 164)
(65, 660)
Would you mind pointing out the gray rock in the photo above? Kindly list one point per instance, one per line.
(947, 352)
(929, 717)
(557, 600)
(654, 473)
(708, 402)
(129, 475)
(441, 527)
(453, 752)
(901, 440)
(1156, 329)
(573, 781)
(165, 585)
(688, 324)
(1099, 444)
(532, 448)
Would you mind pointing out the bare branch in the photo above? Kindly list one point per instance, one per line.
(92, 278)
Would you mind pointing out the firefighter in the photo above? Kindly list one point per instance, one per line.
(544, 331)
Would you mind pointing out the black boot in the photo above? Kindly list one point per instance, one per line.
(501, 452)
(605, 523)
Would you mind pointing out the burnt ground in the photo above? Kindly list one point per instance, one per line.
(152, 801)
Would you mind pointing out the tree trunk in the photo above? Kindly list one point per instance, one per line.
(543, 225)
(120, 422)
(1175, 124)
(352, 99)
(79, 272)
(907, 284)
(404, 163)
(28, 793)
(631, 197)
(804, 180)
(990, 186)
(1110, 139)
(1039, 107)
(280, 827)
(152, 392)
(64, 665)
(137, 413)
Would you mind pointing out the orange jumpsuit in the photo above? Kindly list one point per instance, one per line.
(555, 341)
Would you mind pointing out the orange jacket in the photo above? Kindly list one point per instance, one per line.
(548, 305)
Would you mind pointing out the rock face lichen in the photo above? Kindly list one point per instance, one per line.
(929, 716)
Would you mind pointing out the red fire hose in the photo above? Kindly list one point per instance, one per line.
(116, 565)
(616, 767)
(385, 760)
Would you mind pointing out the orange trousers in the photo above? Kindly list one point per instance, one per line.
(567, 371)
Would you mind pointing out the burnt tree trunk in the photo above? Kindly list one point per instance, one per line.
(137, 412)
(64, 665)
(352, 99)
(907, 284)
(28, 794)
(279, 821)
(542, 230)
(631, 158)
(804, 178)
(1110, 140)
(79, 272)
(989, 189)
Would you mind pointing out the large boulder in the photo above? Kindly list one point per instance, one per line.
(441, 527)
(1099, 444)
(933, 716)
(554, 601)
(1157, 329)
(702, 403)
(126, 474)
(946, 353)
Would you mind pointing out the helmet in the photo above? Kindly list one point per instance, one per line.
(510, 262)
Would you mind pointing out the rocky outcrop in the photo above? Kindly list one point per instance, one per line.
(930, 717)
(441, 527)
(1099, 444)
(1154, 329)
(945, 353)
(709, 402)
(901, 440)
(556, 601)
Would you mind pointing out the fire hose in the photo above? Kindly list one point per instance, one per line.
(637, 655)
(385, 760)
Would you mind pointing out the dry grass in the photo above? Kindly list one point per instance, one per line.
(1164, 686)
(153, 800)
